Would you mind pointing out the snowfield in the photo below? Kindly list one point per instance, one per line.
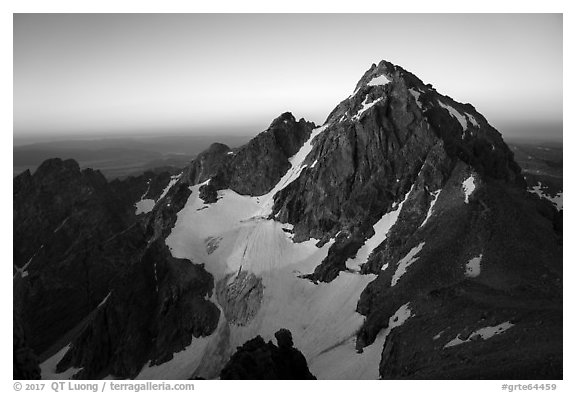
(321, 317)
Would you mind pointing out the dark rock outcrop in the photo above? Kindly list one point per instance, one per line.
(25, 361)
(64, 223)
(156, 309)
(257, 359)
(77, 241)
(241, 298)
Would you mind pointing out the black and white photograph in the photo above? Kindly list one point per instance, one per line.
(288, 196)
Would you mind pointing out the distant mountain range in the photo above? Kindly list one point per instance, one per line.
(398, 240)
(120, 157)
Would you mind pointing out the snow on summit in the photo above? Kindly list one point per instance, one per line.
(379, 81)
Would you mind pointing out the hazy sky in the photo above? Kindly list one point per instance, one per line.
(122, 74)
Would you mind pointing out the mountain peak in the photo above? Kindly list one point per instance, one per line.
(286, 118)
(58, 166)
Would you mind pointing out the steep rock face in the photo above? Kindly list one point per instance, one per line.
(254, 168)
(63, 217)
(257, 359)
(207, 163)
(75, 236)
(459, 221)
(391, 130)
(156, 309)
(25, 362)
(260, 164)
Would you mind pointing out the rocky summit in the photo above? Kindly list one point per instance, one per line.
(395, 241)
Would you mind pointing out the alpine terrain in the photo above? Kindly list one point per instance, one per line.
(397, 240)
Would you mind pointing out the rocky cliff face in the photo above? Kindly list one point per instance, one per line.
(390, 131)
(157, 308)
(77, 237)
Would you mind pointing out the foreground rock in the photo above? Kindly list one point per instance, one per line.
(257, 359)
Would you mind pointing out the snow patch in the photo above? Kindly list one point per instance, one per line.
(455, 114)
(468, 186)
(557, 199)
(472, 120)
(473, 267)
(379, 81)
(173, 180)
(365, 107)
(435, 195)
(416, 94)
(144, 206)
(405, 262)
(483, 333)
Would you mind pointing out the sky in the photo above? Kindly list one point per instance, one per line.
(90, 75)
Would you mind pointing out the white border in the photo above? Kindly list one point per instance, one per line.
(437, 6)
